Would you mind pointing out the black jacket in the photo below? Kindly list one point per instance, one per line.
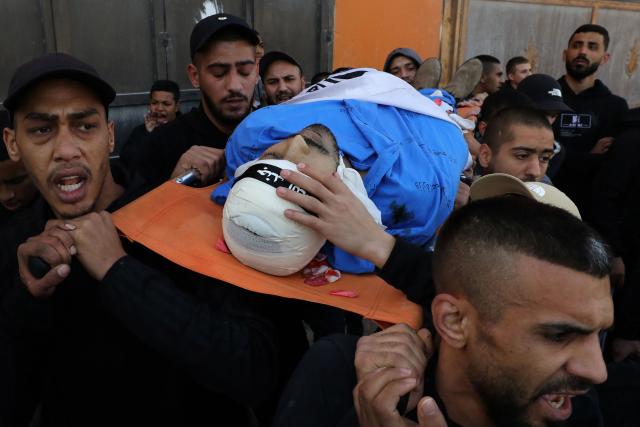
(597, 114)
(616, 210)
(161, 150)
(146, 346)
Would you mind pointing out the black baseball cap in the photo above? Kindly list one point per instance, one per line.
(273, 56)
(210, 25)
(545, 93)
(55, 65)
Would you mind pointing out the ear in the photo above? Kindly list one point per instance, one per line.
(194, 77)
(482, 127)
(112, 139)
(564, 55)
(9, 136)
(450, 319)
(484, 155)
(605, 58)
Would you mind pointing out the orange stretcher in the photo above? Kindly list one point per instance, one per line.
(183, 225)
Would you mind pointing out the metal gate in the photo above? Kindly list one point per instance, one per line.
(134, 42)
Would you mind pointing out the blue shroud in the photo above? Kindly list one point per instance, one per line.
(413, 161)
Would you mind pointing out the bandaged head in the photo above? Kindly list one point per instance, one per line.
(255, 229)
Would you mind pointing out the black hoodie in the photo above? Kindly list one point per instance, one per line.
(597, 114)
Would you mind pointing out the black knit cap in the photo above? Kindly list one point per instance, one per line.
(271, 57)
(55, 65)
(207, 27)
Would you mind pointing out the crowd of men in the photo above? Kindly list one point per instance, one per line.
(508, 179)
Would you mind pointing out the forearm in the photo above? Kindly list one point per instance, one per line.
(408, 268)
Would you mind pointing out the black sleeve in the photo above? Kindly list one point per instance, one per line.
(132, 153)
(611, 188)
(161, 150)
(216, 333)
(627, 315)
(409, 269)
(25, 339)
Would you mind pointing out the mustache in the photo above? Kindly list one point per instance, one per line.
(563, 385)
(61, 169)
(234, 96)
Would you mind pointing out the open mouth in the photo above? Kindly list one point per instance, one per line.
(558, 406)
(70, 185)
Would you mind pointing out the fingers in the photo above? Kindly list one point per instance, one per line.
(427, 339)
(396, 347)
(40, 247)
(380, 391)
(207, 160)
(429, 415)
(319, 184)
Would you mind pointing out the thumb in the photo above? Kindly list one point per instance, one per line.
(429, 414)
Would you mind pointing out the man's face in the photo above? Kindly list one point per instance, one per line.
(544, 349)
(584, 55)
(526, 156)
(163, 106)
(521, 72)
(493, 79)
(64, 140)
(403, 67)
(226, 74)
(282, 81)
(16, 188)
(312, 147)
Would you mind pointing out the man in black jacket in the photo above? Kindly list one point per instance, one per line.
(103, 338)
(587, 132)
(514, 349)
(224, 68)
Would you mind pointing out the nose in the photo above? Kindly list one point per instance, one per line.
(588, 363)
(282, 87)
(297, 147)
(66, 147)
(234, 81)
(534, 168)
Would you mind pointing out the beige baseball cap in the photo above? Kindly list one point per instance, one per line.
(500, 184)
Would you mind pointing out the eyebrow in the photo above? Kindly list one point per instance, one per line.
(226, 64)
(83, 114)
(531, 150)
(311, 143)
(565, 328)
(41, 117)
(46, 117)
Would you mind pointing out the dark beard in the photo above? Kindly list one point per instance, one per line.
(581, 73)
(220, 116)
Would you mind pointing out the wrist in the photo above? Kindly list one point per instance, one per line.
(379, 248)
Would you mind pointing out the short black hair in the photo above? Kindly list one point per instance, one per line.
(500, 100)
(229, 34)
(476, 246)
(166, 86)
(500, 128)
(515, 61)
(593, 28)
(487, 63)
